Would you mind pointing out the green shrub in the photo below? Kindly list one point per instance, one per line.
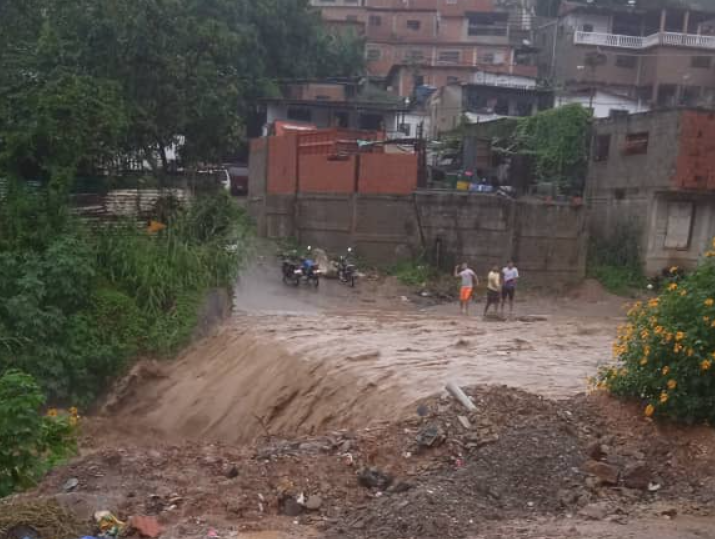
(666, 351)
(31, 443)
(76, 307)
(412, 272)
(616, 261)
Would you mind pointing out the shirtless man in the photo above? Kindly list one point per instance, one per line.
(469, 281)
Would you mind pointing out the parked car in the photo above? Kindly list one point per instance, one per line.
(238, 173)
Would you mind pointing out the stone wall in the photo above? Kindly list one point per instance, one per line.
(548, 241)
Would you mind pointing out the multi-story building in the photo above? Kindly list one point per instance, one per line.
(659, 52)
(654, 173)
(412, 43)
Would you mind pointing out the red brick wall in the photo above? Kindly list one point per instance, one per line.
(281, 164)
(319, 174)
(388, 174)
(696, 158)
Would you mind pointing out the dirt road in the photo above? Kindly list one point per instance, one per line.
(300, 361)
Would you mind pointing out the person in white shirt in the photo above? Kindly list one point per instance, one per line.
(510, 277)
(469, 282)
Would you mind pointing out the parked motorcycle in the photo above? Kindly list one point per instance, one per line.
(291, 265)
(347, 272)
(297, 269)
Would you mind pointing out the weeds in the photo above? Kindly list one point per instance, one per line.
(616, 261)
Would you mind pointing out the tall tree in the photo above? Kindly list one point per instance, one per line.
(83, 81)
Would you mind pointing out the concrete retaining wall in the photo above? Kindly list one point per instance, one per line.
(547, 241)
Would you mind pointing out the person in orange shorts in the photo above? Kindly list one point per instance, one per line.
(469, 281)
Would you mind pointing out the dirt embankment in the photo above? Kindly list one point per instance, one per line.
(521, 466)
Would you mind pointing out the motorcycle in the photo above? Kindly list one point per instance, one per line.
(308, 273)
(347, 272)
(289, 267)
(295, 269)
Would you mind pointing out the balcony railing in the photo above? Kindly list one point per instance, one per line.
(672, 39)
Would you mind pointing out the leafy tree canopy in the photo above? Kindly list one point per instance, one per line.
(84, 82)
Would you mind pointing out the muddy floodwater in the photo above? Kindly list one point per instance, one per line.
(298, 360)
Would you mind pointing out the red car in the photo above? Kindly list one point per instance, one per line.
(239, 179)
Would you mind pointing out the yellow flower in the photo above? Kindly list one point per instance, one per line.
(665, 370)
(673, 286)
(659, 330)
(74, 411)
(677, 348)
(705, 365)
(672, 384)
(713, 324)
(709, 302)
(690, 352)
(679, 336)
(674, 269)
(683, 293)
(644, 362)
(645, 334)
(653, 303)
(52, 412)
(710, 254)
(663, 397)
(649, 410)
(646, 351)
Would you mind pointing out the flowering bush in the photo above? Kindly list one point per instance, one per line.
(30, 442)
(666, 352)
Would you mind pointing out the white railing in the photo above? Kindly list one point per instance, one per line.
(672, 39)
(608, 40)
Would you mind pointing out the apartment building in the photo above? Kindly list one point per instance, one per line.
(659, 52)
(411, 43)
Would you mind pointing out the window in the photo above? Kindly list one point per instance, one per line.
(587, 28)
(300, 114)
(373, 55)
(375, 20)
(414, 25)
(701, 62)
(487, 24)
(690, 95)
(680, 225)
(487, 58)
(602, 148)
(449, 57)
(419, 80)
(414, 55)
(452, 80)
(404, 129)
(667, 95)
(626, 61)
(636, 144)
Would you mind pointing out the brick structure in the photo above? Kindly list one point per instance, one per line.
(330, 161)
(433, 42)
(660, 53)
(656, 171)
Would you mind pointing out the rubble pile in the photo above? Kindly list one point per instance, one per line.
(448, 472)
